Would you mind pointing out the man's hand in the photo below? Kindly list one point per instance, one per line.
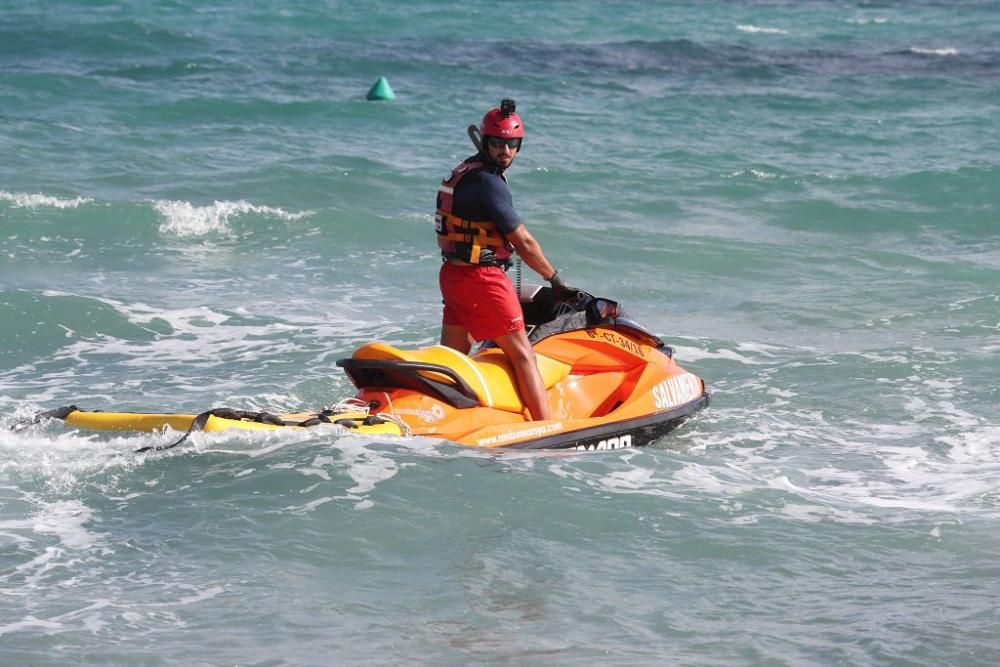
(562, 291)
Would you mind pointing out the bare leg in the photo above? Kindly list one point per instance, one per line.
(456, 337)
(525, 365)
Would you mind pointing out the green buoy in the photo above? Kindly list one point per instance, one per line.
(381, 90)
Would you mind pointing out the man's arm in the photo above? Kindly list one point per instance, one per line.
(530, 251)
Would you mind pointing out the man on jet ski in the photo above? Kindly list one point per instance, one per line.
(477, 230)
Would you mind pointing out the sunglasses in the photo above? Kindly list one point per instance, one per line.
(497, 142)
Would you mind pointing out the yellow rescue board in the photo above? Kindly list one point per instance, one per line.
(148, 422)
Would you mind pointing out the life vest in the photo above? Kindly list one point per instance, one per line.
(472, 241)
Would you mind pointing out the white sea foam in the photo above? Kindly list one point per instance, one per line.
(313, 504)
(697, 354)
(31, 623)
(25, 200)
(755, 173)
(744, 27)
(317, 468)
(949, 51)
(197, 594)
(66, 519)
(857, 468)
(205, 335)
(818, 513)
(366, 466)
(764, 349)
(182, 218)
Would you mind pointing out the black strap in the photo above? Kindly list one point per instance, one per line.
(240, 415)
(504, 264)
(320, 418)
(197, 425)
(55, 413)
(353, 422)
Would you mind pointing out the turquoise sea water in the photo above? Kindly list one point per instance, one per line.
(198, 208)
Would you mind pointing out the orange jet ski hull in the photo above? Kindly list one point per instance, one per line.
(611, 384)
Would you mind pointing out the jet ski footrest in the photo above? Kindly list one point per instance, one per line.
(392, 374)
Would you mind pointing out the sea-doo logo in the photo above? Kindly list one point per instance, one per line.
(621, 442)
(676, 391)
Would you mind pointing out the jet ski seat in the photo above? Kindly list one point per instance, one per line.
(485, 379)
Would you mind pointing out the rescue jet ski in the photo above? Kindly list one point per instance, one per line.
(611, 384)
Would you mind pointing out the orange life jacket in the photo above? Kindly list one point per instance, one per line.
(472, 241)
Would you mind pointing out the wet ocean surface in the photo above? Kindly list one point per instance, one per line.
(198, 208)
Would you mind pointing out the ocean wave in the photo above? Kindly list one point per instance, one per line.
(755, 173)
(692, 354)
(39, 324)
(626, 62)
(67, 520)
(948, 51)
(30, 200)
(183, 218)
(744, 27)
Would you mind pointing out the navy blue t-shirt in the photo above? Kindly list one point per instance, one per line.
(484, 195)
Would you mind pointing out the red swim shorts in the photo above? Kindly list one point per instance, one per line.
(481, 299)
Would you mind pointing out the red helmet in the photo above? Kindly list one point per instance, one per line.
(502, 122)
